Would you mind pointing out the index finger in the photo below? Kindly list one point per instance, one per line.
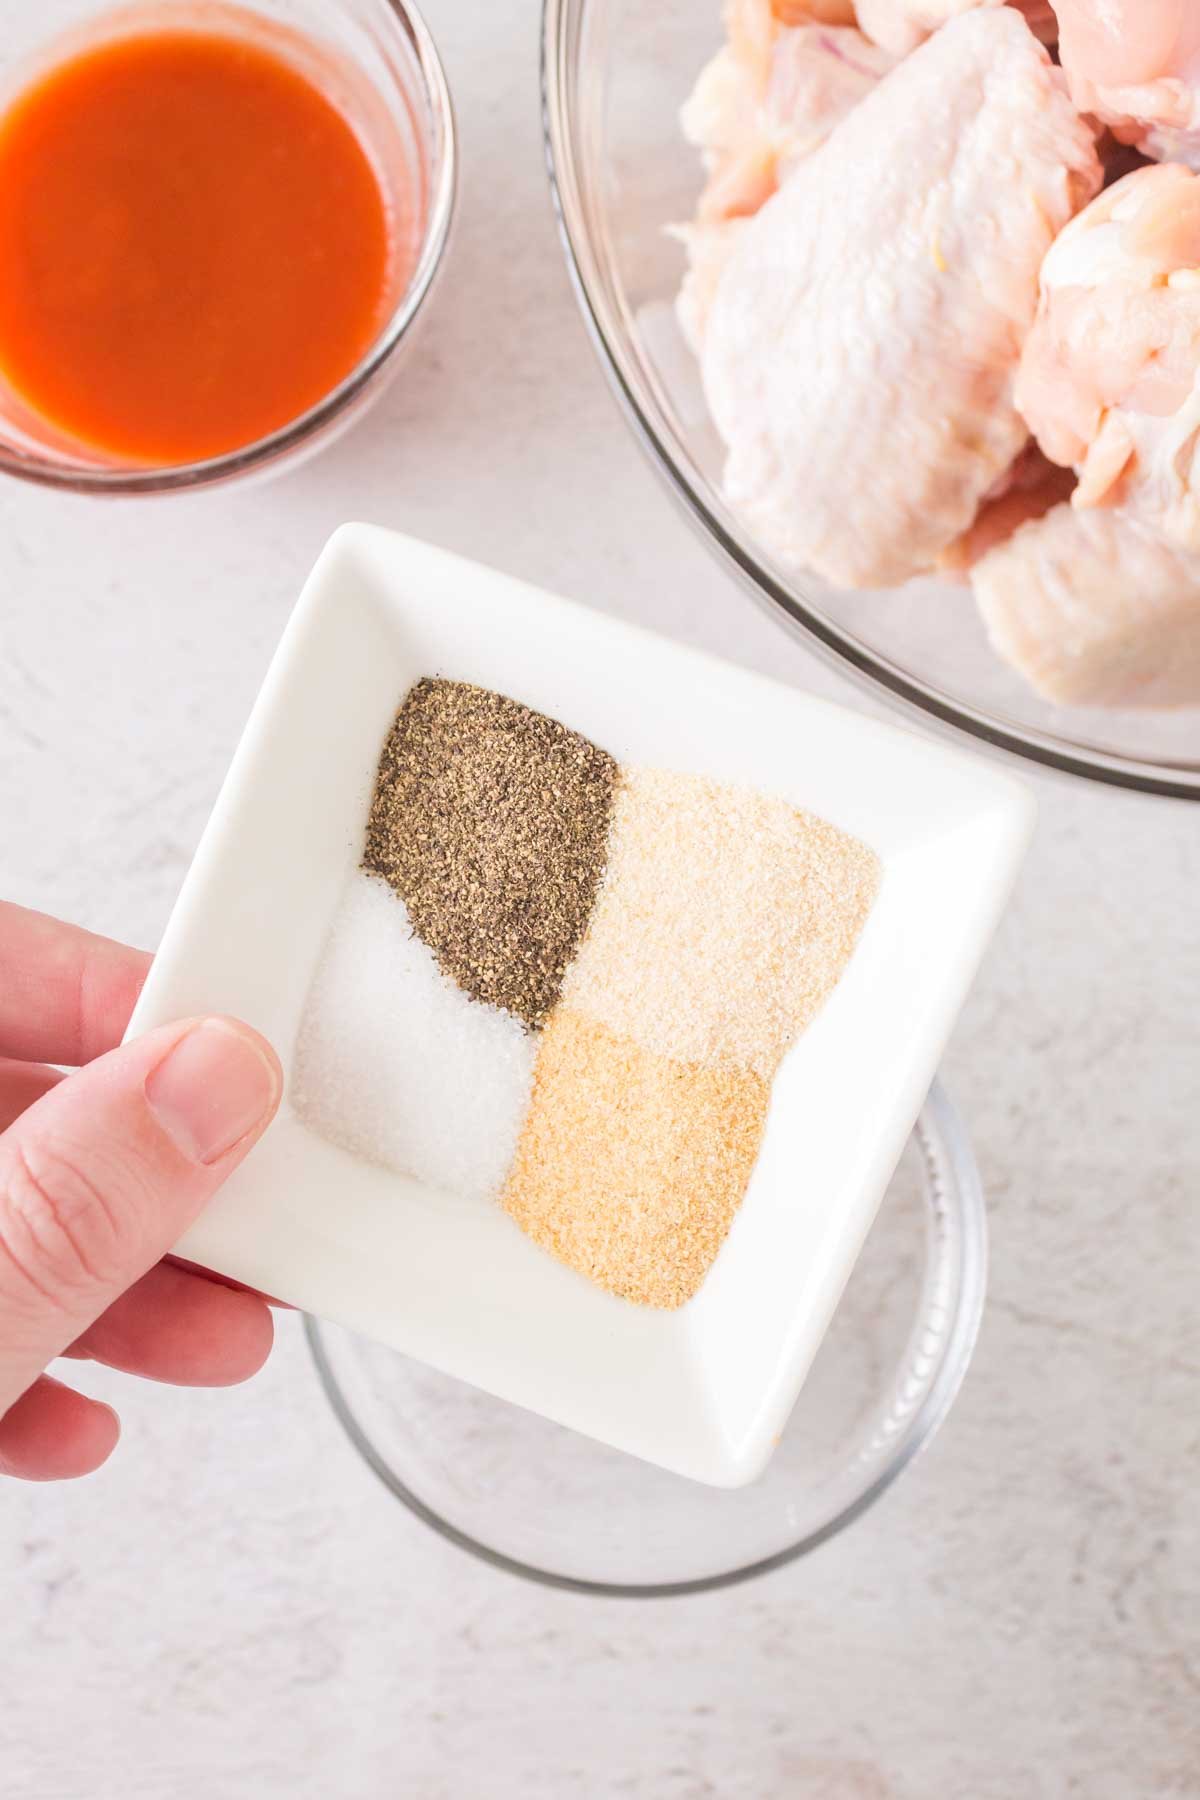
(65, 994)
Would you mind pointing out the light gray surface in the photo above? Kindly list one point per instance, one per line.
(234, 1608)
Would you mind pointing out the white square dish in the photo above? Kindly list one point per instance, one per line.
(706, 1389)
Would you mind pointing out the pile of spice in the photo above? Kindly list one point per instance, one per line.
(397, 1064)
(568, 985)
(490, 822)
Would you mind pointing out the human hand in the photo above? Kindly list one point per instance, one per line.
(101, 1171)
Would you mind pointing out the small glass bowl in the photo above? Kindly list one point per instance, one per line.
(545, 1503)
(615, 73)
(376, 55)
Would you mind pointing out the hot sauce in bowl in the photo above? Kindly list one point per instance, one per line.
(205, 227)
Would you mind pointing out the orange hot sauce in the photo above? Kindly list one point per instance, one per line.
(194, 245)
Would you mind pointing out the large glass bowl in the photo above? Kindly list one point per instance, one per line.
(540, 1501)
(615, 73)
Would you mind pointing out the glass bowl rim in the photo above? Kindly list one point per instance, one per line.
(82, 478)
(967, 1261)
(872, 669)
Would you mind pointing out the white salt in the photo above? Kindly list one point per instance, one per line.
(397, 1064)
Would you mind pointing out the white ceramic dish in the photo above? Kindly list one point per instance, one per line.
(704, 1390)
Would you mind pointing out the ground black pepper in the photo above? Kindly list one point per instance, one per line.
(491, 821)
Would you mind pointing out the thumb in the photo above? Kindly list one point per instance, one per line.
(104, 1173)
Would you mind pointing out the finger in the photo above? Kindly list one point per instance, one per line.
(21, 1083)
(65, 994)
(172, 1326)
(105, 1172)
(52, 1433)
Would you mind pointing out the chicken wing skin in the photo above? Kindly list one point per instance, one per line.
(769, 98)
(900, 25)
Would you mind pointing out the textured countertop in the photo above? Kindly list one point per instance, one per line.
(234, 1607)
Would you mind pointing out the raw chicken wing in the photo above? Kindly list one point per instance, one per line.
(1094, 610)
(1135, 64)
(763, 103)
(864, 339)
(1110, 376)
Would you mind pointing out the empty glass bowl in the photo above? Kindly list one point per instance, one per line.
(615, 74)
(377, 57)
(540, 1501)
